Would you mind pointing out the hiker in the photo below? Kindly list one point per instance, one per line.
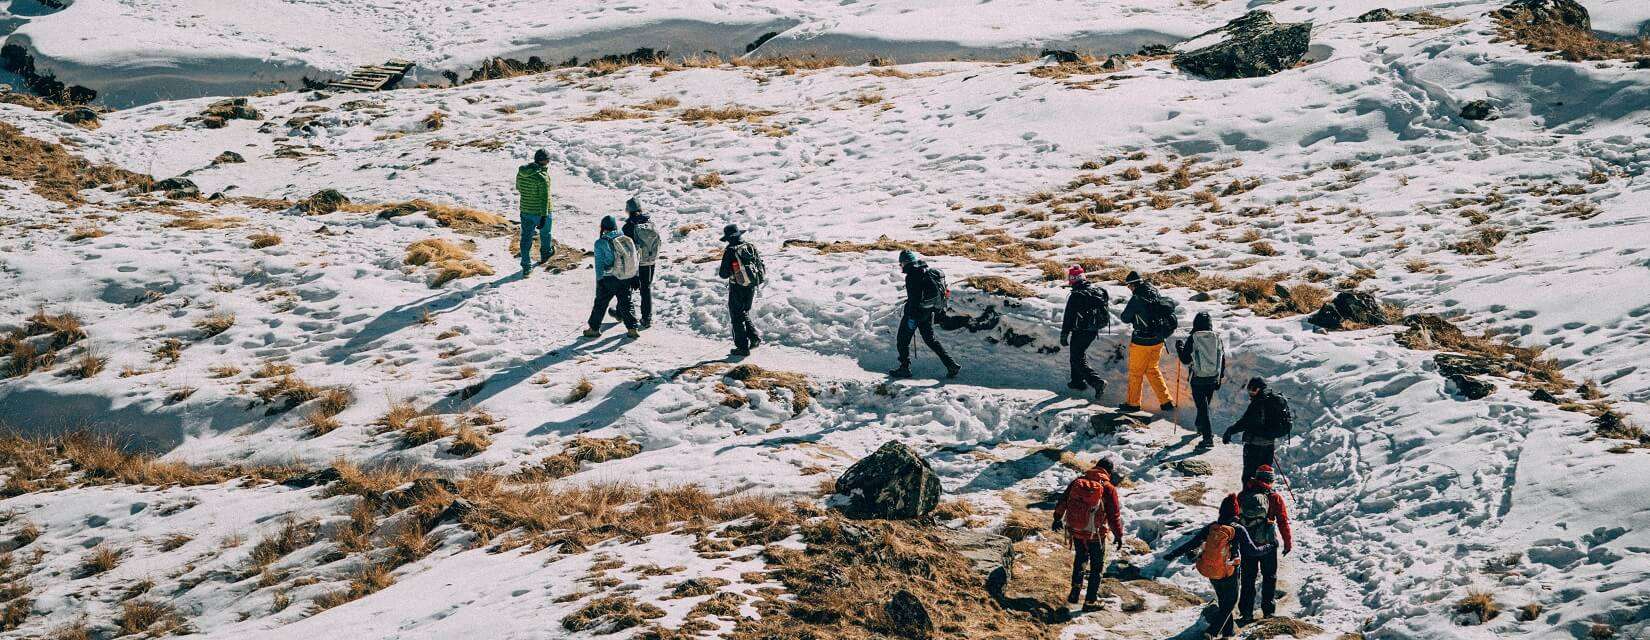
(1263, 514)
(1225, 545)
(1205, 357)
(743, 269)
(1087, 313)
(1152, 316)
(533, 183)
(1267, 420)
(1087, 510)
(926, 294)
(639, 228)
(615, 267)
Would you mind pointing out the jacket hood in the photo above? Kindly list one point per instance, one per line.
(1202, 322)
(531, 167)
(1228, 512)
(1257, 485)
(1096, 473)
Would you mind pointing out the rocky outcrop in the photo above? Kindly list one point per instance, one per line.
(1479, 110)
(323, 202)
(1351, 310)
(891, 483)
(218, 114)
(17, 59)
(1251, 46)
(1377, 15)
(176, 187)
(228, 157)
(1463, 371)
(1568, 13)
(82, 116)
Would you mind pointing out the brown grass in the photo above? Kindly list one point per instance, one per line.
(435, 120)
(64, 328)
(581, 449)
(292, 536)
(84, 232)
(264, 240)
(658, 104)
(457, 218)
(614, 113)
(580, 391)
(999, 285)
(611, 614)
(425, 429)
(100, 560)
(1479, 604)
(55, 173)
(158, 619)
(272, 369)
(990, 246)
(215, 323)
(371, 579)
(729, 113)
(450, 260)
(760, 379)
(1568, 43)
(291, 389)
(707, 180)
(469, 441)
(1481, 243)
(87, 365)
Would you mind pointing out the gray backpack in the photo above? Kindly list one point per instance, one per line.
(1207, 354)
(647, 243)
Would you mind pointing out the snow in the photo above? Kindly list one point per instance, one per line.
(1403, 491)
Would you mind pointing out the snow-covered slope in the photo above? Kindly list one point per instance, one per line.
(1355, 166)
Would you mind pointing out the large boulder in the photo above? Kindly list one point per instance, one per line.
(1251, 46)
(323, 202)
(176, 187)
(1350, 310)
(81, 115)
(893, 483)
(1568, 13)
(1480, 110)
(908, 615)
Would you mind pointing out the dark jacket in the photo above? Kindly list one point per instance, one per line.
(918, 286)
(1135, 314)
(1242, 545)
(1264, 409)
(1276, 509)
(1087, 309)
(639, 228)
(725, 271)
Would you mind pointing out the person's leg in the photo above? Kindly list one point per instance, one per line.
(739, 316)
(907, 328)
(925, 325)
(644, 286)
(1268, 456)
(1202, 392)
(1251, 462)
(624, 290)
(1097, 567)
(1225, 601)
(604, 297)
(1081, 372)
(528, 225)
(1082, 550)
(1137, 373)
(1154, 374)
(1269, 583)
(1246, 588)
(547, 248)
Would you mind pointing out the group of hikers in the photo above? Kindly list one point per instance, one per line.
(1239, 547)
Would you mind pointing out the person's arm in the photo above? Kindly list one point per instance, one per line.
(1246, 545)
(1070, 320)
(1187, 547)
(1221, 343)
(726, 270)
(1250, 415)
(604, 256)
(1184, 349)
(1130, 310)
(1278, 507)
(1060, 508)
(1114, 509)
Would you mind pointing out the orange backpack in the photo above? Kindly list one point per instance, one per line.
(1086, 509)
(1217, 562)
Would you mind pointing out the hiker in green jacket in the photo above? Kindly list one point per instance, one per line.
(533, 183)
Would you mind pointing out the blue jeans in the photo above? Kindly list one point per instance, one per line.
(542, 224)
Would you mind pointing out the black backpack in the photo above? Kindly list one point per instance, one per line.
(1278, 421)
(1157, 319)
(751, 263)
(1255, 514)
(938, 293)
(1092, 312)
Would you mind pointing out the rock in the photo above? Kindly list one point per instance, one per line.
(909, 615)
(1543, 395)
(1114, 62)
(83, 116)
(228, 157)
(218, 114)
(1156, 50)
(1429, 331)
(1109, 423)
(1193, 467)
(893, 482)
(1462, 370)
(176, 187)
(1250, 46)
(1357, 308)
(323, 202)
(456, 510)
(1480, 110)
(313, 478)
(987, 552)
(418, 490)
(1061, 56)
(1643, 63)
(1377, 15)
(1567, 13)
(1130, 602)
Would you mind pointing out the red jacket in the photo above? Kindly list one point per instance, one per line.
(1279, 512)
(1108, 499)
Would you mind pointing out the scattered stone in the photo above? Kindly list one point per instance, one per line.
(1463, 371)
(909, 615)
(1281, 626)
(313, 478)
(1108, 423)
(1115, 62)
(1377, 15)
(1131, 602)
(1428, 331)
(228, 157)
(1568, 13)
(218, 114)
(1252, 46)
(1351, 309)
(1153, 50)
(82, 116)
(988, 552)
(1061, 56)
(1543, 395)
(323, 202)
(1193, 467)
(1480, 110)
(176, 187)
(893, 483)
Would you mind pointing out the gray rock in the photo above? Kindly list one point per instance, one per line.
(78, 115)
(909, 615)
(893, 483)
(228, 157)
(1115, 62)
(176, 187)
(1061, 56)
(1253, 45)
(323, 202)
(1377, 15)
(1568, 13)
(1463, 371)
(1480, 110)
(1357, 307)
(1194, 467)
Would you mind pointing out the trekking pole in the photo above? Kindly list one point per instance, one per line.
(1176, 412)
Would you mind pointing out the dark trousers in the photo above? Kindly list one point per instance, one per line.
(1081, 372)
(740, 300)
(607, 289)
(1255, 455)
(1203, 391)
(1226, 597)
(1266, 566)
(644, 286)
(920, 321)
(1093, 554)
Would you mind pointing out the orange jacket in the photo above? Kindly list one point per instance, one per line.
(1108, 498)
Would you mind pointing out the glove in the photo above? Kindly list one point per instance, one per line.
(1287, 549)
(1065, 339)
(1119, 544)
(1226, 437)
(1055, 526)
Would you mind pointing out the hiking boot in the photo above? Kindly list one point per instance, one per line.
(755, 342)
(633, 332)
(1128, 408)
(902, 372)
(646, 324)
(1168, 406)
(739, 352)
(1099, 389)
(951, 371)
(1077, 385)
(526, 271)
(1208, 442)
(591, 333)
(1072, 598)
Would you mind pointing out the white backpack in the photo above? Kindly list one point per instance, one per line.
(624, 258)
(1207, 354)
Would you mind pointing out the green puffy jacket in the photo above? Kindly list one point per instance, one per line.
(534, 186)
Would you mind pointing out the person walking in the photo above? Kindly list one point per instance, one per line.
(926, 295)
(743, 269)
(1266, 421)
(1204, 355)
(533, 183)
(1089, 509)
(639, 228)
(1152, 317)
(1225, 544)
(1264, 515)
(615, 267)
(1087, 313)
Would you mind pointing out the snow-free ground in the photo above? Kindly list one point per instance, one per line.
(1407, 496)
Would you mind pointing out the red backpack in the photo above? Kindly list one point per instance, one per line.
(1085, 508)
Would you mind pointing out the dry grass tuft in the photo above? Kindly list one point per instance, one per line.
(1480, 605)
(989, 246)
(372, 579)
(999, 285)
(580, 391)
(138, 616)
(757, 378)
(264, 240)
(707, 180)
(273, 369)
(611, 614)
(85, 232)
(55, 173)
(1481, 243)
(292, 536)
(469, 441)
(436, 120)
(730, 113)
(581, 449)
(457, 218)
(100, 560)
(614, 113)
(215, 323)
(1566, 42)
(425, 429)
(87, 365)
(450, 260)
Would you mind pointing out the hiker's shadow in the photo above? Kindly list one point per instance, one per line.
(1006, 473)
(1040, 611)
(472, 395)
(1163, 456)
(613, 406)
(411, 313)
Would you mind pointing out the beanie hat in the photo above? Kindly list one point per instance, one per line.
(1264, 473)
(1256, 384)
(541, 156)
(609, 223)
(1132, 279)
(631, 206)
(1074, 274)
(907, 256)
